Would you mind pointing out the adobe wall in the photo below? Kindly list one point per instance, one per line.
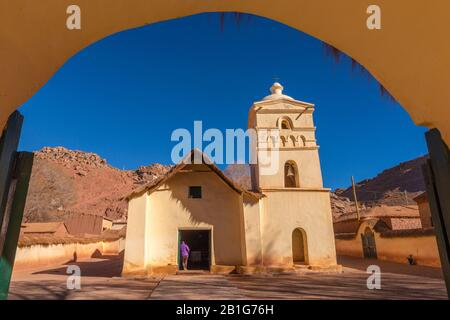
(40, 255)
(286, 210)
(396, 249)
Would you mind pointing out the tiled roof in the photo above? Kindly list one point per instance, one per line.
(41, 227)
(421, 197)
(383, 211)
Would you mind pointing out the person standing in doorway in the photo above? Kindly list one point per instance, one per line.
(184, 254)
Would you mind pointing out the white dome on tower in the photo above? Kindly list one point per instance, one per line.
(277, 93)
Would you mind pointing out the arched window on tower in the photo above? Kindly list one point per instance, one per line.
(269, 142)
(283, 141)
(293, 142)
(291, 175)
(302, 141)
(285, 123)
(273, 141)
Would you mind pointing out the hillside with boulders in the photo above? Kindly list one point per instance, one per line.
(239, 173)
(65, 181)
(393, 186)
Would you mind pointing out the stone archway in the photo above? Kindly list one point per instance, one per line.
(35, 42)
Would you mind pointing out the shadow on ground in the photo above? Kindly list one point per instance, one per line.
(104, 266)
(390, 267)
(344, 286)
(113, 289)
(101, 280)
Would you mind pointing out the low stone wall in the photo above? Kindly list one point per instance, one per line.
(395, 248)
(42, 254)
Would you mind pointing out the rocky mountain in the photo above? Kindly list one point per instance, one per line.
(394, 186)
(65, 181)
(240, 173)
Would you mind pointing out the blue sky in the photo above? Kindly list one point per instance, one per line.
(123, 96)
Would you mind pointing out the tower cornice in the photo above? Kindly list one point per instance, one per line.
(288, 148)
(298, 129)
(287, 110)
(285, 102)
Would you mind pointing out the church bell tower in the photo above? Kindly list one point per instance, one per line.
(295, 217)
(285, 134)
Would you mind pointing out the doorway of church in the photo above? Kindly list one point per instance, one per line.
(199, 242)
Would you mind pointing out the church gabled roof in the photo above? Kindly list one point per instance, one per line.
(150, 187)
(383, 211)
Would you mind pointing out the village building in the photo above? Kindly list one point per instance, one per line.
(283, 222)
(390, 217)
(79, 224)
(391, 233)
(424, 210)
(118, 224)
(53, 229)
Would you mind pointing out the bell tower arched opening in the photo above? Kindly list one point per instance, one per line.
(291, 179)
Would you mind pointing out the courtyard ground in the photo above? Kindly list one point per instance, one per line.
(101, 280)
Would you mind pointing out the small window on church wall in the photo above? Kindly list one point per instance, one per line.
(290, 175)
(195, 192)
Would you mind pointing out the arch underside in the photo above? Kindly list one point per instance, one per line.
(415, 69)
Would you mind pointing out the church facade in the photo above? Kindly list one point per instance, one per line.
(283, 222)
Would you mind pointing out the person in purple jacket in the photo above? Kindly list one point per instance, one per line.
(184, 254)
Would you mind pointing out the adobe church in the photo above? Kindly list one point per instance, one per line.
(284, 222)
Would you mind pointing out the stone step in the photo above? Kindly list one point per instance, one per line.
(302, 266)
(311, 268)
(193, 272)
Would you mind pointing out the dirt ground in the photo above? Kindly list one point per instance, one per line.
(100, 279)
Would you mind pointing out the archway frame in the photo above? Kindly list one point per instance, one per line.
(415, 69)
(36, 42)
